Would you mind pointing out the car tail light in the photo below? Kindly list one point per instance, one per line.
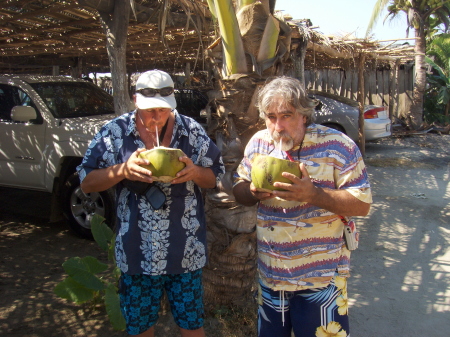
(373, 113)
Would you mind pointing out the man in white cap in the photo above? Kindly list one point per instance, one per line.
(161, 229)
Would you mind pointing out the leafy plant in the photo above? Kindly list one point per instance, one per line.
(434, 113)
(437, 96)
(438, 93)
(90, 280)
(424, 16)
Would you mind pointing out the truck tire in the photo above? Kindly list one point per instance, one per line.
(335, 126)
(79, 207)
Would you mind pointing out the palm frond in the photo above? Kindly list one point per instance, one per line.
(439, 48)
(443, 16)
(435, 66)
(133, 8)
(376, 13)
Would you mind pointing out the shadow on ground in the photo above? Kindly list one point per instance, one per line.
(32, 252)
(400, 283)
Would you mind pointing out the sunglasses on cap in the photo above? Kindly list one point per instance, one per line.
(151, 92)
(154, 195)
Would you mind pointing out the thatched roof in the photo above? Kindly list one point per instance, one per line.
(342, 51)
(38, 34)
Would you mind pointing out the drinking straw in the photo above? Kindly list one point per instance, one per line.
(157, 138)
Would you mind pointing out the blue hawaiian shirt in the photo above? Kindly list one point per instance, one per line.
(171, 240)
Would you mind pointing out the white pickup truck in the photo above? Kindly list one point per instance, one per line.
(46, 125)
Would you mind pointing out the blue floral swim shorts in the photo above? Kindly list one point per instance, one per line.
(140, 300)
(309, 313)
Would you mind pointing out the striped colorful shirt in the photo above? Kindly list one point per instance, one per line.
(300, 245)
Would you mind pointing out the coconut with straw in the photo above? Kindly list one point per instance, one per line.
(164, 161)
(267, 170)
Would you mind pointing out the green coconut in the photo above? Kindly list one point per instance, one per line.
(164, 162)
(267, 170)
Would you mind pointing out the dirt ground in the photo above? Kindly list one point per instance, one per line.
(400, 284)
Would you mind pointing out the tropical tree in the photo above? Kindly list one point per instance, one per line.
(422, 16)
(437, 104)
(439, 49)
(252, 44)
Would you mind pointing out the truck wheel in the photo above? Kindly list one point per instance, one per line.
(79, 207)
(335, 126)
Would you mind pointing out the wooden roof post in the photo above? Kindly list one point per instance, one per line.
(187, 74)
(115, 25)
(55, 70)
(361, 98)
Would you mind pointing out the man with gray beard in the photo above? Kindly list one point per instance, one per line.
(303, 260)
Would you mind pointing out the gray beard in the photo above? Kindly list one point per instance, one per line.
(282, 142)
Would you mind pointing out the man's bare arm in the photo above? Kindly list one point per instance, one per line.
(245, 193)
(101, 179)
(339, 202)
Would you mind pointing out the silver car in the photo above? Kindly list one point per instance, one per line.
(341, 113)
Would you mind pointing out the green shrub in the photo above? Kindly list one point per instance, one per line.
(84, 284)
(433, 111)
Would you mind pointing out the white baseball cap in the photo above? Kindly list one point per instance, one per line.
(155, 79)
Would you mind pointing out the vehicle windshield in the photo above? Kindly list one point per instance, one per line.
(74, 99)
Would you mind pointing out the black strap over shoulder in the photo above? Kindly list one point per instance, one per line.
(138, 187)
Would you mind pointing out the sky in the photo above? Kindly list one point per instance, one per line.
(345, 16)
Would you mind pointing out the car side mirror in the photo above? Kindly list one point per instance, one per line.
(319, 106)
(23, 113)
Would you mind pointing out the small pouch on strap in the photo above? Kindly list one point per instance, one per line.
(351, 235)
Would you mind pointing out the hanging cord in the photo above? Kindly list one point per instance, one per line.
(282, 305)
(163, 132)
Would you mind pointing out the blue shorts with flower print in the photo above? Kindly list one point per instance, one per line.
(312, 312)
(140, 300)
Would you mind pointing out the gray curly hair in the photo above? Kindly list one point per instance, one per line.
(291, 92)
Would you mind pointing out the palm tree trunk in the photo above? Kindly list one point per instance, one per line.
(415, 116)
(230, 274)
